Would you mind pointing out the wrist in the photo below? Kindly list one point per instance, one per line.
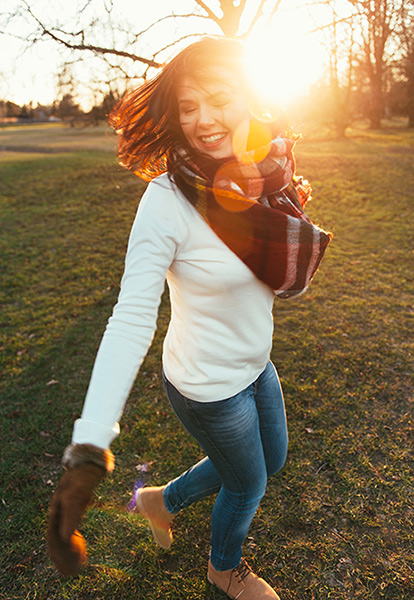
(76, 455)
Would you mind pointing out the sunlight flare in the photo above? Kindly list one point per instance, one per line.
(284, 59)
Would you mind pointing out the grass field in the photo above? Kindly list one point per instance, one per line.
(337, 523)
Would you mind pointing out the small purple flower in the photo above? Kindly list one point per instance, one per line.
(142, 469)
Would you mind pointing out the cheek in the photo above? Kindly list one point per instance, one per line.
(188, 132)
(235, 117)
(186, 128)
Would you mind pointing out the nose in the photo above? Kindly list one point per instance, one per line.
(206, 115)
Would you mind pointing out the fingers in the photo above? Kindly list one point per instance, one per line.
(73, 505)
(66, 546)
(54, 516)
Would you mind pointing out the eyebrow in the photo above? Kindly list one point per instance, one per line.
(212, 96)
(220, 93)
(184, 101)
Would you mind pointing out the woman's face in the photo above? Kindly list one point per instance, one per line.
(210, 112)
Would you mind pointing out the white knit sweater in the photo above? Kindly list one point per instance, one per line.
(220, 334)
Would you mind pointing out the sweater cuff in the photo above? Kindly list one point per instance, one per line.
(93, 432)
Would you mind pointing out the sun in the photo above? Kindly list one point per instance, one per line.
(284, 59)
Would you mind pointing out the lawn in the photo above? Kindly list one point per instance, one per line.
(337, 523)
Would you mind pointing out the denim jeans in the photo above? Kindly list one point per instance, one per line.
(245, 440)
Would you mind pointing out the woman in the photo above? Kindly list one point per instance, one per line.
(222, 221)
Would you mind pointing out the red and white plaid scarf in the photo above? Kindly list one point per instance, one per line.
(256, 209)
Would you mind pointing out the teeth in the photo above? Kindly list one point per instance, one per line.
(212, 138)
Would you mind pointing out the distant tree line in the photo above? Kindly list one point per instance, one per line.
(66, 109)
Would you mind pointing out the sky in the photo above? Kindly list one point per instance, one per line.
(285, 57)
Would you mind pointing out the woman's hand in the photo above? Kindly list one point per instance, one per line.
(87, 466)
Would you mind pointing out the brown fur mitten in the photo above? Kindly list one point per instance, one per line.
(87, 466)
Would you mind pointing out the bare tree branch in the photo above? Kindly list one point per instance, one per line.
(275, 9)
(170, 16)
(121, 54)
(14, 35)
(100, 50)
(208, 10)
(256, 17)
(177, 41)
(91, 47)
(348, 19)
(229, 21)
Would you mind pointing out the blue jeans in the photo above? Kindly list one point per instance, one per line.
(245, 439)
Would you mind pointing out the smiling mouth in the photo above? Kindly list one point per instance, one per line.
(210, 140)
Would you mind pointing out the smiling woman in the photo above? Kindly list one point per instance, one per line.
(199, 101)
(210, 111)
(223, 222)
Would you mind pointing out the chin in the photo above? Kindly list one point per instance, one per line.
(219, 154)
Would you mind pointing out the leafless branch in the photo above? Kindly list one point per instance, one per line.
(348, 19)
(100, 50)
(91, 47)
(275, 9)
(256, 17)
(170, 16)
(177, 41)
(13, 35)
(209, 12)
(116, 67)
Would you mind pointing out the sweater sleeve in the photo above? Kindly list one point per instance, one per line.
(151, 249)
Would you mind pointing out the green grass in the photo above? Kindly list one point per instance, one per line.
(55, 137)
(337, 523)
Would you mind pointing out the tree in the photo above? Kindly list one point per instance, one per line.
(12, 109)
(67, 109)
(224, 17)
(232, 12)
(101, 110)
(26, 112)
(377, 21)
(110, 51)
(9, 110)
(341, 50)
(405, 33)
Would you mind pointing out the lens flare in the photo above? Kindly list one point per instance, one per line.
(228, 182)
(288, 50)
(251, 141)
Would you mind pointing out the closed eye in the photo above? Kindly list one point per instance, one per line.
(220, 100)
(187, 108)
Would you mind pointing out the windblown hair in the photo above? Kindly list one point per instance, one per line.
(147, 118)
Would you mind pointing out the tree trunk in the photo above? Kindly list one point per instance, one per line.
(410, 85)
(376, 107)
(410, 104)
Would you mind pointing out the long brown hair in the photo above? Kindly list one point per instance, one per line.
(147, 118)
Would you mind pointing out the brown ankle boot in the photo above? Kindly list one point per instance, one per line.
(150, 504)
(241, 583)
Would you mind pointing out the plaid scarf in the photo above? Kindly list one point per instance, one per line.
(256, 208)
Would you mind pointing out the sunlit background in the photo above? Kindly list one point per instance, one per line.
(327, 62)
(286, 55)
